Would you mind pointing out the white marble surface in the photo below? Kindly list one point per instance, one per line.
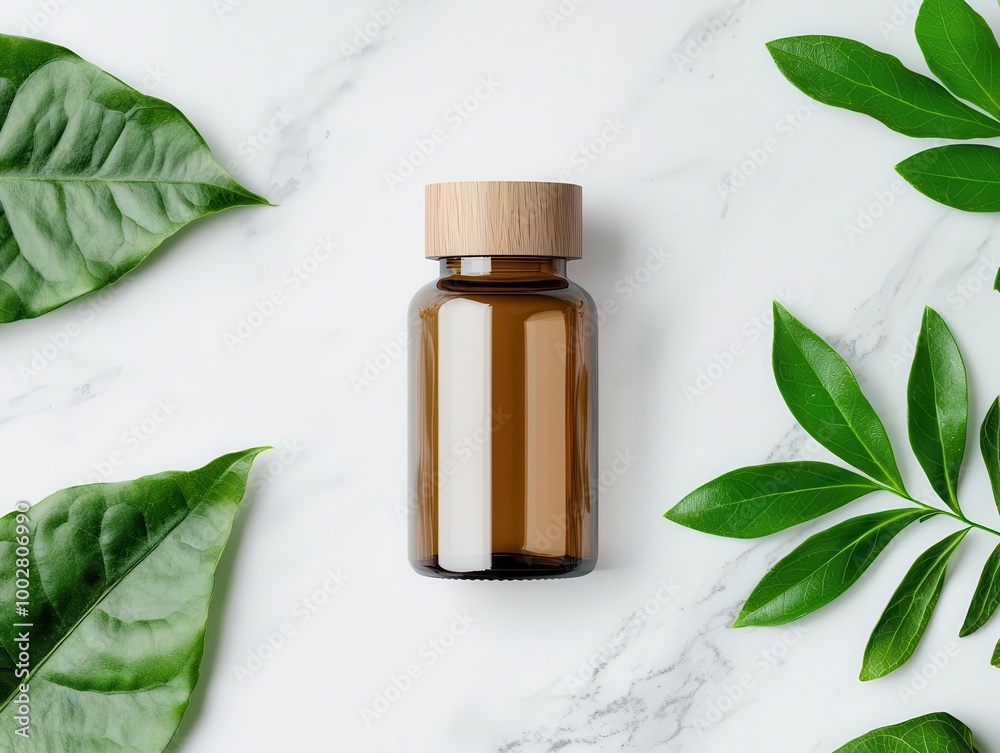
(636, 656)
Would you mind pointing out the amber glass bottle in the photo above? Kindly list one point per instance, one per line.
(503, 388)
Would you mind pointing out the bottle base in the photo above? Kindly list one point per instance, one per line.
(512, 567)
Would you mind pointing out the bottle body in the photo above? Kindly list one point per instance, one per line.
(503, 421)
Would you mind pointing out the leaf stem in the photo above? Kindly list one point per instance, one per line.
(938, 511)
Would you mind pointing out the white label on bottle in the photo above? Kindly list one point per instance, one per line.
(465, 393)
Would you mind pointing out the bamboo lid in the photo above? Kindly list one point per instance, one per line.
(503, 218)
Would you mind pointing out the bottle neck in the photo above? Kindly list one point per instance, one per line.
(503, 267)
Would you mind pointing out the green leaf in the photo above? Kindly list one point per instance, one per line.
(121, 576)
(937, 733)
(989, 441)
(93, 177)
(905, 619)
(823, 395)
(960, 49)
(822, 568)
(961, 176)
(986, 598)
(996, 657)
(848, 74)
(763, 499)
(938, 406)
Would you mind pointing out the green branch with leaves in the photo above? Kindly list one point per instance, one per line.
(961, 50)
(823, 395)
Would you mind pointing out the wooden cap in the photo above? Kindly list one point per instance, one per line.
(503, 218)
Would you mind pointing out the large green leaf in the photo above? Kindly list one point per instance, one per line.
(763, 499)
(909, 611)
(938, 406)
(996, 656)
(848, 74)
(960, 49)
(989, 441)
(934, 733)
(823, 395)
(93, 177)
(986, 599)
(962, 176)
(822, 568)
(121, 576)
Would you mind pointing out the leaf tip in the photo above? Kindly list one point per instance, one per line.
(743, 619)
(868, 672)
(903, 166)
(931, 315)
(780, 45)
(249, 454)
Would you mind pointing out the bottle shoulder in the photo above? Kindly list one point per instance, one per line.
(443, 289)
